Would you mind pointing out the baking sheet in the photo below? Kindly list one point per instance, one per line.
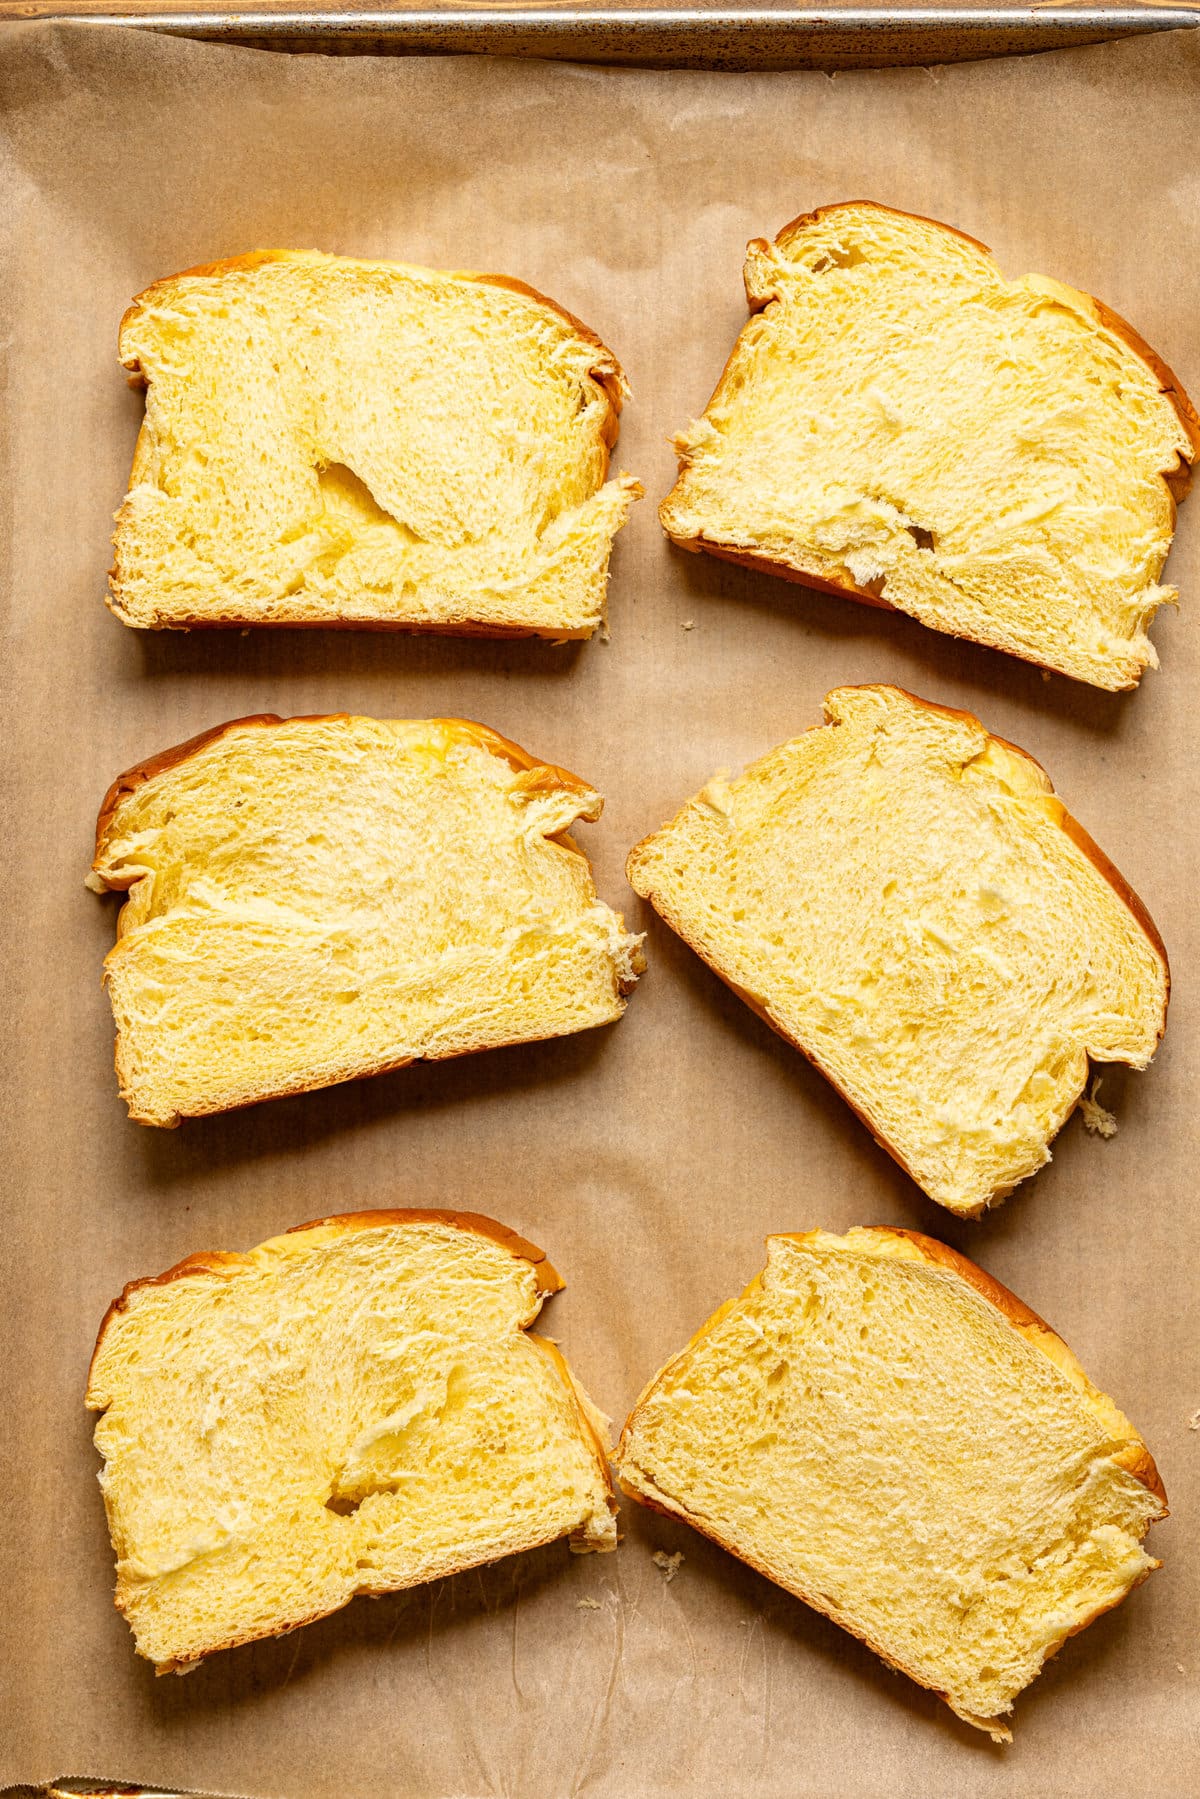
(732, 34)
(649, 1159)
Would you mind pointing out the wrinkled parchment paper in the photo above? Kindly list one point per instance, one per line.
(649, 1159)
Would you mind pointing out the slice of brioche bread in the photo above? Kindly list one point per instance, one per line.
(351, 1408)
(313, 899)
(333, 442)
(887, 1432)
(904, 899)
(898, 422)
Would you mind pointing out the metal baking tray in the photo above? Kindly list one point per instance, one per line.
(721, 36)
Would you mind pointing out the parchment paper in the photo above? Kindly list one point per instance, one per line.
(649, 1159)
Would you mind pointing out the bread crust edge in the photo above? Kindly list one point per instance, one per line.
(220, 1261)
(1136, 1459)
(612, 378)
(1171, 386)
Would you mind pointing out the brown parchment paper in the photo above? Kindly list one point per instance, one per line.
(649, 1159)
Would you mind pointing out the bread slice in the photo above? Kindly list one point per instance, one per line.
(333, 442)
(887, 1432)
(898, 422)
(904, 899)
(351, 1408)
(313, 899)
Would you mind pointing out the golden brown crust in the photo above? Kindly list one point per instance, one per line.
(1075, 831)
(549, 1280)
(846, 590)
(152, 295)
(548, 777)
(805, 219)
(220, 1261)
(184, 1665)
(563, 1368)
(607, 373)
(766, 565)
(1177, 480)
(1169, 383)
(614, 381)
(98, 1792)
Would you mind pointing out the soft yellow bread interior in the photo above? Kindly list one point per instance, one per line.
(351, 1408)
(332, 441)
(987, 455)
(899, 896)
(311, 900)
(870, 1431)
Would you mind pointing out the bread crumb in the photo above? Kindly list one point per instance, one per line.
(1194, 1420)
(689, 624)
(669, 1564)
(715, 794)
(1181, 1668)
(1097, 1118)
(587, 1605)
